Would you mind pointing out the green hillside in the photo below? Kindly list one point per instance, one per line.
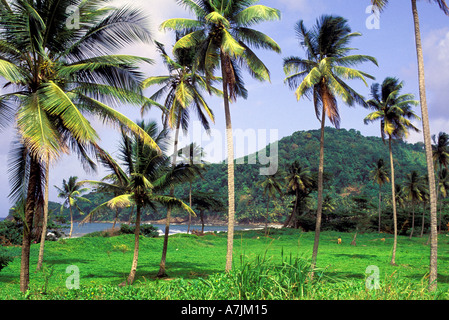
(349, 158)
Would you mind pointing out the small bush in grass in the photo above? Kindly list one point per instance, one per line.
(5, 259)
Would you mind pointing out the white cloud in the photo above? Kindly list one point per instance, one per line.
(436, 51)
(301, 6)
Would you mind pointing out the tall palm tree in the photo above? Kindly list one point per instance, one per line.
(440, 152)
(71, 191)
(192, 155)
(433, 266)
(380, 176)
(271, 187)
(299, 180)
(394, 111)
(56, 75)
(145, 174)
(181, 91)
(223, 35)
(413, 191)
(321, 76)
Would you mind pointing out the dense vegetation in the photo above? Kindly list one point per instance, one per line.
(274, 267)
(351, 192)
(59, 74)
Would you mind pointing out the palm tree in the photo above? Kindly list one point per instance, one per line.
(71, 191)
(192, 155)
(380, 176)
(426, 133)
(203, 201)
(270, 186)
(56, 75)
(413, 192)
(443, 188)
(321, 77)
(145, 175)
(181, 91)
(440, 152)
(394, 111)
(425, 197)
(299, 180)
(223, 37)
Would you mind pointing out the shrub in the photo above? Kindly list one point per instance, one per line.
(146, 230)
(5, 259)
(11, 232)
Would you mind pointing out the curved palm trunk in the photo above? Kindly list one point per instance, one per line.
(44, 226)
(395, 218)
(225, 69)
(28, 226)
(132, 274)
(320, 193)
(190, 205)
(428, 148)
(162, 272)
(288, 222)
(115, 218)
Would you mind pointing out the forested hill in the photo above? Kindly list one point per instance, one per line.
(349, 158)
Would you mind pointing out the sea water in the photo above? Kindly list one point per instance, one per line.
(80, 230)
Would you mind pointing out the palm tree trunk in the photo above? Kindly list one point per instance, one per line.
(132, 274)
(225, 69)
(413, 218)
(71, 220)
(44, 226)
(162, 272)
(28, 226)
(266, 218)
(423, 219)
(190, 205)
(287, 223)
(320, 193)
(395, 218)
(202, 220)
(115, 218)
(380, 202)
(131, 216)
(433, 266)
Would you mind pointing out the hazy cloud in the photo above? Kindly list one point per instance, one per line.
(436, 53)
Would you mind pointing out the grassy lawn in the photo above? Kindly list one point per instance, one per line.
(196, 265)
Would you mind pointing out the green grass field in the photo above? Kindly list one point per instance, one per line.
(274, 267)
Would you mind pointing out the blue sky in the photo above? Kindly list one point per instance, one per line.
(273, 105)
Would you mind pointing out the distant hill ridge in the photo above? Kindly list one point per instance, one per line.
(349, 158)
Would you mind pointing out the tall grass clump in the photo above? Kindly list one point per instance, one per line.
(262, 278)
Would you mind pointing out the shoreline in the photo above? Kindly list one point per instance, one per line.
(196, 223)
(160, 224)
